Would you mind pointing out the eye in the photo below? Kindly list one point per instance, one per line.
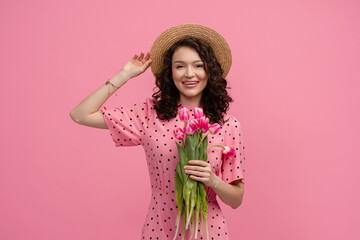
(200, 66)
(179, 66)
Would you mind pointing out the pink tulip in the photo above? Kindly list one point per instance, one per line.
(214, 129)
(204, 124)
(184, 114)
(198, 113)
(194, 124)
(229, 152)
(179, 133)
(189, 130)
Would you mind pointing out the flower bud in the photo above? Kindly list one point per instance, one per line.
(204, 124)
(198, 113)
(214, 129)
(189, 130)
(184, 114)
(179, 133)
(194, 124)
(228, 152)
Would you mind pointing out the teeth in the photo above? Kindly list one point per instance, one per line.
(190, 83)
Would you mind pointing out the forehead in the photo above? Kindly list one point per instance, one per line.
(185, 53)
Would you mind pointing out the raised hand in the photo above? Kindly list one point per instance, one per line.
(137, 65)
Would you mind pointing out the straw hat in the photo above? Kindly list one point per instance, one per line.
(167, 38)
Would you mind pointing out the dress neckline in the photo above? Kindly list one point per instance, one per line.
(188, 107)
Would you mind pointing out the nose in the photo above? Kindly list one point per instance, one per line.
(189, 72)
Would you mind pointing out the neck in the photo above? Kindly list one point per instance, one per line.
(195, 101)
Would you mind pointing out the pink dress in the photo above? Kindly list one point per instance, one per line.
(139, 125)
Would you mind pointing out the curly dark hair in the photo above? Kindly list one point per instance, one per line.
(215, 99)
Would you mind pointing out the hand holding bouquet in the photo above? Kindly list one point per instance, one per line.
(190, 194)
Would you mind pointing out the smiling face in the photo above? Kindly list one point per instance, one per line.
(189, 75)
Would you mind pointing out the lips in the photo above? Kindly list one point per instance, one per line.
(190, 83)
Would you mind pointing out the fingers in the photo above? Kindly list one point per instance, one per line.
(143, 61)
(199, 162)
(197, 173)
(141, 58)
(198, 165)
(195, 168)
(147, 57)
(147, 64)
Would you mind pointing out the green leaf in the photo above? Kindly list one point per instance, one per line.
(205, 143)
(179, 172)
(178, 190)
(183, 161)
(203, 196)
(190, 148)
(204, 148)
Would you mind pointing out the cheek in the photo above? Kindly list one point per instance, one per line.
(203, 75)
(204, 85)
(177, 84)
(175, 75)
(205, 79)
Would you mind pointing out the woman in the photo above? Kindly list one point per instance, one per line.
(190, 63)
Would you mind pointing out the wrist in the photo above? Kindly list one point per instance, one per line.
(120, 78)
(216, 182)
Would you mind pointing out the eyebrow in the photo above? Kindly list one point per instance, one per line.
(178, 61)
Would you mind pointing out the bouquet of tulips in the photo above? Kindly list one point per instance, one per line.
(190, 194)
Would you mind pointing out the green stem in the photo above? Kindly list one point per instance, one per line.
(216, 146)
(205, 136)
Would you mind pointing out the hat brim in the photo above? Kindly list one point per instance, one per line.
(167, 38)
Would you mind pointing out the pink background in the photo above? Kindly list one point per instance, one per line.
(294, 78)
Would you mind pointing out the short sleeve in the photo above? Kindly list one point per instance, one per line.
(126, 124)
(233, 168)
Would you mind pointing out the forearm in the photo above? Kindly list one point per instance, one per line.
(96, 99)
(230, 194)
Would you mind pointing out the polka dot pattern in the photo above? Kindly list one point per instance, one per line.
(139, 125)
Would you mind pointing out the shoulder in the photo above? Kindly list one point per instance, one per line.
(231, 121)
(139, 109)
(149, 102)
(146, 104)
(232, 130)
